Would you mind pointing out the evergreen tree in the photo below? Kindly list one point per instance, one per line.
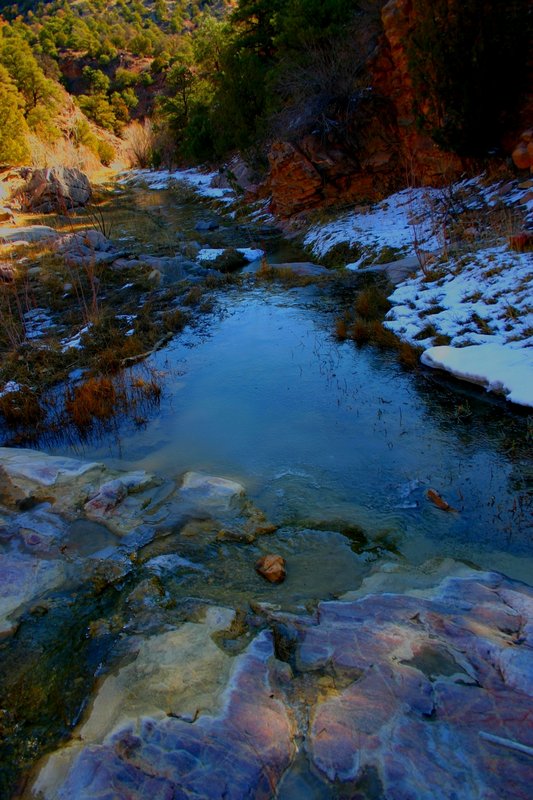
(13, 128)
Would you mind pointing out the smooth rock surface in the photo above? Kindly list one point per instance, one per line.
(241, 751)
(209, 491)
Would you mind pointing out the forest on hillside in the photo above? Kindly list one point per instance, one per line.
(199, 80)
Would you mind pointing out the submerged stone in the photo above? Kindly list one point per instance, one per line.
(209, 491)
(271, 567)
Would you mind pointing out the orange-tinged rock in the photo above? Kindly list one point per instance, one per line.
(520, 156)
(272, 567)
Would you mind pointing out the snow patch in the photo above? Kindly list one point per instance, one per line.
(199, 181)
(212, 253)
(497, 367)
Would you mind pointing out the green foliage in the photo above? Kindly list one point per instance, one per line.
(468, 63)
(98, 108)
(17, 58)
(13, 128)
(105, 152)
(82, 134)
(42, 121)
(98, 81)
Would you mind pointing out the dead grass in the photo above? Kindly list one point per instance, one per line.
(96, 399)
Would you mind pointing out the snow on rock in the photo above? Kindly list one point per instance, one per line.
(212, 253)
(497, 367)
(10, 387)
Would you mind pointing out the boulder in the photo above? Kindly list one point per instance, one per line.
(237, 174)
(57, 189)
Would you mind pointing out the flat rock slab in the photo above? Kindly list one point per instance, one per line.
(408, 689)
(36, 467)
(27, 234)
(425, 678)
(241, 751)
(23, 579)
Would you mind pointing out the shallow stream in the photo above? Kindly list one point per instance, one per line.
(319, 430)
(337, 444)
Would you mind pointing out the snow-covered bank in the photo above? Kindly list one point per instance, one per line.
(496, 367)
(404, 221)
(483, 297)
(200, 182)
(470, 293)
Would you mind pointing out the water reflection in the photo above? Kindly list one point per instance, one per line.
(326, 431)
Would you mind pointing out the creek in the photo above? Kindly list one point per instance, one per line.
(318, 429)
(336, 443)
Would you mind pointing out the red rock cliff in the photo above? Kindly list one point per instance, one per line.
(380, 150)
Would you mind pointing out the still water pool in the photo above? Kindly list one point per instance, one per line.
(328, 433)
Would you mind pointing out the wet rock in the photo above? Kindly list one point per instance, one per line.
(433, 676)
(55, 190)
(272, 567)
(119, 502)
(206, 225)
(240, 751)
(210, 492)
(108, 571)
(41, 531)
(23, 580)
(304, 268)
(146, 594)
(108, 497)
(31, 468)
(172, 563)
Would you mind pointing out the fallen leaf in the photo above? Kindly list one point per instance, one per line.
(438, 501)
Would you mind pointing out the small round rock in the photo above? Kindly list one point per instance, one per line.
(272, 567)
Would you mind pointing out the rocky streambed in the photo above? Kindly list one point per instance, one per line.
(141, 654)
(417, 682)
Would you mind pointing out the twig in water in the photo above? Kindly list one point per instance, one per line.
(510, 743)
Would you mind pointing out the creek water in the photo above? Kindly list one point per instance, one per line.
(320, 430)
